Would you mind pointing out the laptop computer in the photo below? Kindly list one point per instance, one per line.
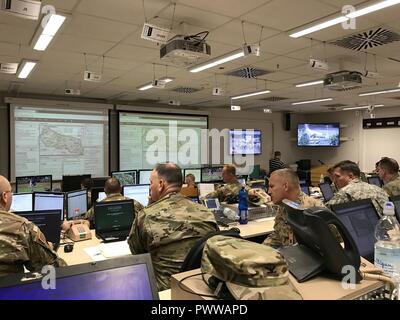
(326, 191)
(113, 219)
(48, 222)
(360, 218)
(125, 278)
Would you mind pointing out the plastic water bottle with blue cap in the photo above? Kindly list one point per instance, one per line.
(243, 206)
(387, 245)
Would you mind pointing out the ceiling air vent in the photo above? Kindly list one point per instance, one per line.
(247, 73)
(274, 99)
(368, 39)
(187, 90)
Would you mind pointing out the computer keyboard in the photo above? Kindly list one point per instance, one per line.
(221, 219)
(256, 213)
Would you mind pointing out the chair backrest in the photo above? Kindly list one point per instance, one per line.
(193, 258)
(190, 192)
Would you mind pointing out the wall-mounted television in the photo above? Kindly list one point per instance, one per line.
(244, 141)
(318, 134)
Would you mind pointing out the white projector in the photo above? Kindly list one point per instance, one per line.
(27, 9)
(185, 52)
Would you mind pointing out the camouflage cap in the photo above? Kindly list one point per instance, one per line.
(251, 271)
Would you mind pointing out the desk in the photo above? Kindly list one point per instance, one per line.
(255, 228)
(319, 288)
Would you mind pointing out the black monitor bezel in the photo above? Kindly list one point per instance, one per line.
(244, 154)
(81, 177)
(112, 203)
(66, 203)
(140, 171)
(25, 177)
(134, 185)
(95, 266)
(22, 193)
(184, 174)
(123, 171)
(213, 181)
(375, 177)
(329, 185)
(318, 123)
(50, 192)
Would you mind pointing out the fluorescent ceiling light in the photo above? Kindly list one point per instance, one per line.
(148, 86)
(375, 7)
(319, 26)
(378, 92)
(252, 94)
(311, 101)
(363, 107)
(216, 62)
(53, 25)
(307, 84)
(25, 69)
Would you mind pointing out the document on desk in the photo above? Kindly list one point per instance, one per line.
(108, 250)
(94, 253)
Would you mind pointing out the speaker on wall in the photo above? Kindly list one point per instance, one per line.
(287, 121)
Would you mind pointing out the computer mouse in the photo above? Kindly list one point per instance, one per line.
(68, 247)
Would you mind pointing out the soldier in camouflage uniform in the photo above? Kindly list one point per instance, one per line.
(22, 244)
(284, 184)
(170, 225)
(351, 188)
(388, 171)
(112, 189)
(231, 188)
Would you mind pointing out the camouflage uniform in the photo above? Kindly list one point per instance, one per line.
(113, 197)
(283, 233)
(23, 244)
(229, 190)
(393, 187)
(358, 190)
(168, 229)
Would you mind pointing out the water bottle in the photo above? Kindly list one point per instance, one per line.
(243, 207)
(387, 245)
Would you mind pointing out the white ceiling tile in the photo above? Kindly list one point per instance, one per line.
(60, 4)
(83, 45)
(134, 53)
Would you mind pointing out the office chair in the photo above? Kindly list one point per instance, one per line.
(193, 258)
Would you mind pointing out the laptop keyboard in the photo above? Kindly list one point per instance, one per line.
(114, 236)
(221, 219)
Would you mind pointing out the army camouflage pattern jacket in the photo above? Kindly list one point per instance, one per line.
(23, 244)
(393, 187)
(283, 233)
(229, 190)
(168, 229)
(358, 190)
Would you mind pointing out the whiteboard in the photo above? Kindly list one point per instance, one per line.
(378, 143)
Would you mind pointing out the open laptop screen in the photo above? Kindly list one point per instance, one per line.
(22, 202)
(114, 216)
(326, 190)
(375, 181)
(48, 222)
(360, 219)
(127, 278)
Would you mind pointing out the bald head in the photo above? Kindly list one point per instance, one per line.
(284, 184)
(112, 186)
(164, 179)
(5, 194)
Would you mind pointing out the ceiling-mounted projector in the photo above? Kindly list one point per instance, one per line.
(343, 80)
(185, 51)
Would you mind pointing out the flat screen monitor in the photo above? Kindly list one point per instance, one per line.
(212, 204)
(144, 176)
(73, 182)
(360, 218)
(396, 202)
(95, 194)
(48, 222)
(318, 134)
(125, 278)
(102, 195)
(114, 216)
(49, 201)
(99, 182)
(139, 193)
(33, 183)
(244, 141)
(195, 172)
(22, 202)
(375, 181)
(326, 191)
(126, 177)
(211, 174)
(76, 204)
(304, 187)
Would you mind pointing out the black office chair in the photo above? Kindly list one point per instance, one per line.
(193, 258)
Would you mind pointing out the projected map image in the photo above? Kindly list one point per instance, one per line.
(318, 135)
(245, 142)
(61, 140)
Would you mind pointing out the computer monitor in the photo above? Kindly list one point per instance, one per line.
(99, 182)
(73, 182)
(49, 201)
(211, 174)
(375, 181)
(76, 204)
(125, 278)
(22, 202)
(396, 202)
(138, 192)
(144, 176)
(195, 172)
(126, 177)
(101, 196)
(360, 219)
(95, 194)
(113, 219)
(48, 222)
(212, 203)
(304, 187)
(242, 181)
(33, 183)
(326, 191)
